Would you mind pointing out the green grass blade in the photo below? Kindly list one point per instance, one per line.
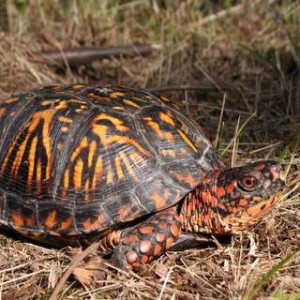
(269, 275)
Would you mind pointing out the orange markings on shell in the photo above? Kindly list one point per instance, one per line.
(65, 119)
(183, 176)
(118, 108)
(91, 153)
(168, 153)
(123, 212)
(166, 118)
(78, 172)
(18, 219)
(119, 169)
(31, 161)
(18, 157)
(86, 190)
(39, 175)
(66, 224)
(64, 129)
(126, 162)
(83, 143)
(51, 220)
(30, 221)
(145, 246)
(97, 173)
(160, 201)
(168, 136)
(187, 140)
(114, 120)
(89, 226)
(131, 103)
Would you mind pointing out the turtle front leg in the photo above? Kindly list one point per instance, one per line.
(147, 240)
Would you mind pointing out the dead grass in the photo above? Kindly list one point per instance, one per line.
(247, 49)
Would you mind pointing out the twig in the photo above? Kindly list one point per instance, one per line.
(77, 260)
(86, 55)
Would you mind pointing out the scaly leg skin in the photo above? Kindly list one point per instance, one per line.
(147, 240)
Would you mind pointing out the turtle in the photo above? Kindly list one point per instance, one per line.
(122, 167)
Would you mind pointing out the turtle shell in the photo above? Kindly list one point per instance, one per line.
(76, 159)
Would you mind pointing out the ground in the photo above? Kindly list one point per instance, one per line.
(234, 66)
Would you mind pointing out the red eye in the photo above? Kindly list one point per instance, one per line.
(248, 183)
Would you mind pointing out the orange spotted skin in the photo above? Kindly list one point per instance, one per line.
(123, 167)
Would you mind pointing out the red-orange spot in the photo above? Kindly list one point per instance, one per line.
(220, 192)
(162, 225)
(146, 229)
(230, 188)
(144, 258)
(174, 230)
(145, 246)
(17, 219)
(243, 202)
(160, 237)
(169, 243)
(130, 239)
(131, 257)
(157, 250)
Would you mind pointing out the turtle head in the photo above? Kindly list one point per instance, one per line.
(235, 199)
(246, 194)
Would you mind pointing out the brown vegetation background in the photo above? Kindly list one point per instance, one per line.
(234, 66)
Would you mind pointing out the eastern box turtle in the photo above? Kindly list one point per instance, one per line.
(121, 166)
